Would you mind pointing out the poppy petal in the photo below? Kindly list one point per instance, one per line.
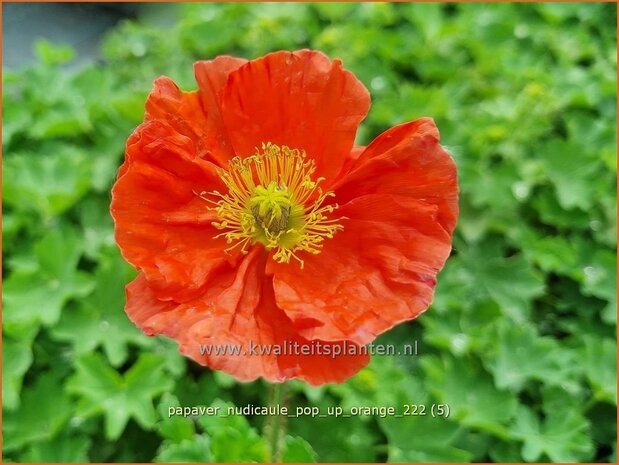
(298, 99)
(238, 313)
(162, 226)
(400, 205)
(211, 77)
(378, 272)
(185, 112)
(352, 157)
(182, 110)
(406, 160)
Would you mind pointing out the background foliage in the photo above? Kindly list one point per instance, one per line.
(520, 341)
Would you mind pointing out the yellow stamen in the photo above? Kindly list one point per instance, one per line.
(273, 200)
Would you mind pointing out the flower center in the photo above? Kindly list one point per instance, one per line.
(271, 207)
(272, 199)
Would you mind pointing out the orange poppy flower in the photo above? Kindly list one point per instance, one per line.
(267, 244)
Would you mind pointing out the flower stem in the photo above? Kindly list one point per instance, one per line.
(275, 430)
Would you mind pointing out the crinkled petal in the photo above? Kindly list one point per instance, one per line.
(188, 116)
(351, 159)
(298, 99)
(238, 312)
(162, 226)
(211, 77)
(400, 205)
(406, 160)
(181, 110)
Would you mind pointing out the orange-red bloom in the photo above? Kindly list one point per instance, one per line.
(253, 219)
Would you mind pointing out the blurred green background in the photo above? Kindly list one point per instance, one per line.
(521, 338)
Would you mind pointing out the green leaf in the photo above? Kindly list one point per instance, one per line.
(16, 359)
(43, 412)
(505, 452)
(15, 116)
(422, 439)
(100, 320)
(552, 213)
(224, 380)
(63, 449)
(562, 436)
(33, 297)
(470, 394)
(49, 184)
(511, 282)
(552, 253)
(202, 391)
(108, 152)
(97, 226)
(448, 331)
(521, 355)
(382, 383)
(119, 397)
(53, 54)
(357, 442)
(297, 450)
(599, 359)
(574, 180)
(600, 280)
(175, 363)
(174, 428)
(232, 437)
(58, 107)
(194, 450)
